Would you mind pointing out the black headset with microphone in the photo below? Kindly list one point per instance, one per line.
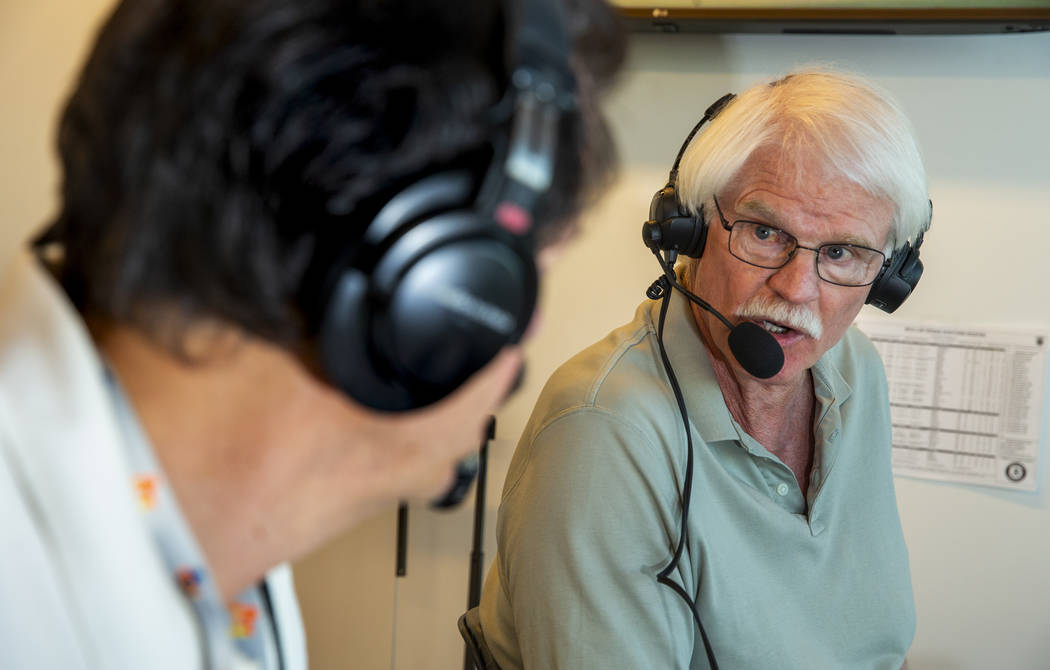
(444, 276)
(672, 228)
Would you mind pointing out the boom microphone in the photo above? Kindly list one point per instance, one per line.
(755, 349)
(752, 346)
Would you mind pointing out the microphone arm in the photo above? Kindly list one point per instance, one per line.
(672, 280)
(757, 352)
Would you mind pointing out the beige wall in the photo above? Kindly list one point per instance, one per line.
(979, 103)
(41, 45)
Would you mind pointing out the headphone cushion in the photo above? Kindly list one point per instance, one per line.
(896, 282)
(670, 227)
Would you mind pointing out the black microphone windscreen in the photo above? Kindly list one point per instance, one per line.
(756, 350)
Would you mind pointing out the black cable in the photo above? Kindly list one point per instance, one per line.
(268, 603)
(672, 280)
(662, 577)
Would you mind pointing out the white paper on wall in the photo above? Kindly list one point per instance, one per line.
(965, 402)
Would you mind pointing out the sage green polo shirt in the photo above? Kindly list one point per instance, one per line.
(592, 506)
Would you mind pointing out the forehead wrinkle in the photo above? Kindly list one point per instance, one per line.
(760, 209)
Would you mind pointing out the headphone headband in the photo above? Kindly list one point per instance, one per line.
(670, 227)
(713, 110)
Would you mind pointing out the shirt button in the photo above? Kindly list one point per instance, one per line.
(782, 489)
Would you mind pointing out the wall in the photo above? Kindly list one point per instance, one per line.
(979, 104)
(42, 43)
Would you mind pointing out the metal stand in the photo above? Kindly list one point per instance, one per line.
(476, 553)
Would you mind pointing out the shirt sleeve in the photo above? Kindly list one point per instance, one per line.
(591, 519)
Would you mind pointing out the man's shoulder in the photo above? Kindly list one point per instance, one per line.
(609, 374)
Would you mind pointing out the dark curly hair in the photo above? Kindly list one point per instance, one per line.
(210, 147)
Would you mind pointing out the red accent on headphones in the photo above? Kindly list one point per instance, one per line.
(513, 218)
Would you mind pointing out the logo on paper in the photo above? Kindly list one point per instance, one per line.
(1015, 472)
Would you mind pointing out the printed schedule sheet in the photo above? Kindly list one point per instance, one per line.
(966, 402)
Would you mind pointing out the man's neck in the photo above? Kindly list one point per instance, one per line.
(764, 410)
(778, 415)
(240, 434)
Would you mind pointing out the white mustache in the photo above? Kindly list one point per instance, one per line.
(763, 308)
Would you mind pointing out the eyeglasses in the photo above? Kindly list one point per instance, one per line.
(766, 246)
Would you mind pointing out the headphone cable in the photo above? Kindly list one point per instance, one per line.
(664, 286)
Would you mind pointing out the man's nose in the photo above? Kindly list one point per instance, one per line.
(798, 281)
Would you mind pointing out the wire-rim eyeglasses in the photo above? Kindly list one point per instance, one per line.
(766, 246)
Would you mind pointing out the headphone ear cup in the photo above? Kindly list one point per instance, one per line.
(897, 280)
(452, 310)
(695, 229)
(664, 204)
(345, 350)
(671, 228)
(439, 304)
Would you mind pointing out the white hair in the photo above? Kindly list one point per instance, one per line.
(858, 130)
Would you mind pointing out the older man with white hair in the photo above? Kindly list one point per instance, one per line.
(691, 495)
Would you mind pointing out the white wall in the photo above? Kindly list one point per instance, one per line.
(979, 556)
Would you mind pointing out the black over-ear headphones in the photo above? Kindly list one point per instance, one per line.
(671, 228)
(444, 276)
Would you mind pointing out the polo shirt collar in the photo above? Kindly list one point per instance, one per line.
(703, 397)
(829, 386)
